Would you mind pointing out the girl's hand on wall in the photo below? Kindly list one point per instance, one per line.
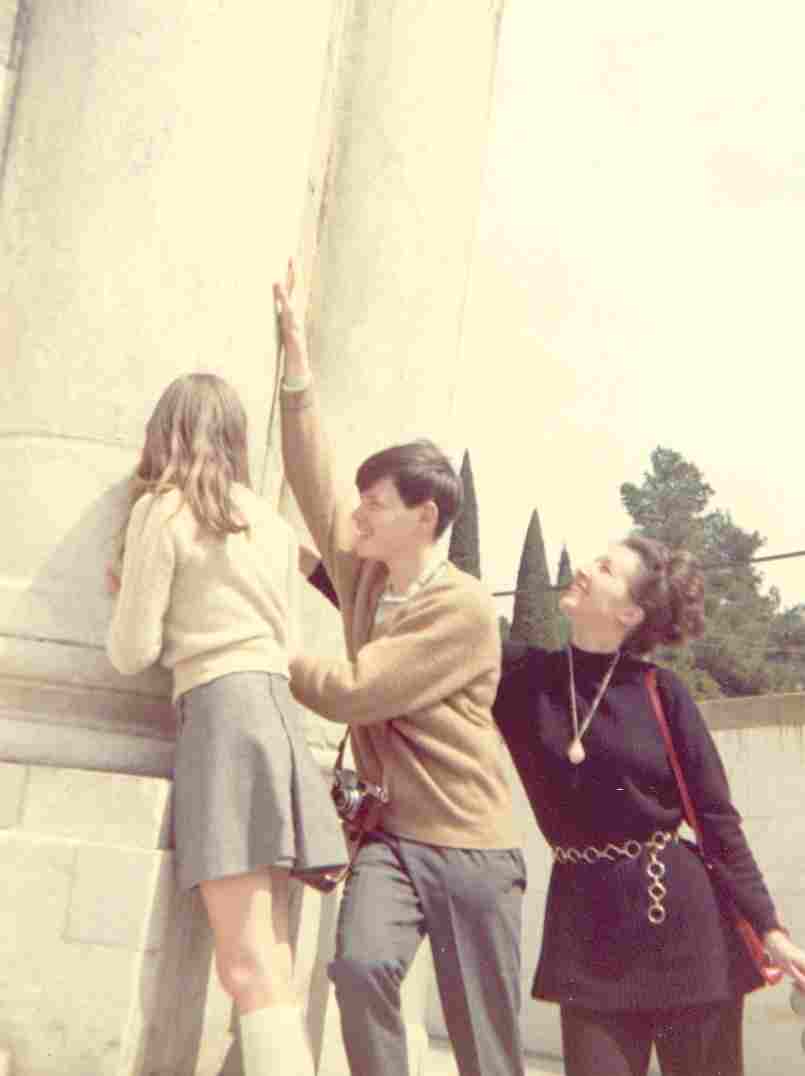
(786, 955)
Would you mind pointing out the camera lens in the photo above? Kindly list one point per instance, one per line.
(347, 802)
(341, 798)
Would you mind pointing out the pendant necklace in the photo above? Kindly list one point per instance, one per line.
(576, 753)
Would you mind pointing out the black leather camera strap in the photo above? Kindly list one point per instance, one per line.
(358, 835)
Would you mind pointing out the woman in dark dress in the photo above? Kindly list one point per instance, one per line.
(629, 967)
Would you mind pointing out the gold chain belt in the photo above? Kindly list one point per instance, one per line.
(655, 868)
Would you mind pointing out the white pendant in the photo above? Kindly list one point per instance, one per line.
(576, 752)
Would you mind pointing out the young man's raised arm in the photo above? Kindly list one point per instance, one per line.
(307, 458)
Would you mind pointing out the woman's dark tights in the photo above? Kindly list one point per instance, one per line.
(704, 1040)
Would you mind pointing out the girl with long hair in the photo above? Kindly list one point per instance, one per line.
(208, 588)
(636, 948)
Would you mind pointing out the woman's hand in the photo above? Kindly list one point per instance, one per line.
(292, 330)
(786, 955)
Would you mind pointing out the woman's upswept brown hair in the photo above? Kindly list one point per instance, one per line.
(196, 442)
(670, 591)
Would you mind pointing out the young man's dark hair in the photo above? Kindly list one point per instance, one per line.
(421, 472)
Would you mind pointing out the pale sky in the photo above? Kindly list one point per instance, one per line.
(638, 271)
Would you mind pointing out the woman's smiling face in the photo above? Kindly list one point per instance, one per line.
(600, 596)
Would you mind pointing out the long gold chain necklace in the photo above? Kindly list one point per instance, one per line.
(575, 752)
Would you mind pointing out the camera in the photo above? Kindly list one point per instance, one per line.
(354, 798)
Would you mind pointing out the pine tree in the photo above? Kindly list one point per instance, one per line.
(535, 620)
(465, 549)
(672, 505)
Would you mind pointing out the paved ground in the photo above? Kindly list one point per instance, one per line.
(441, 1063)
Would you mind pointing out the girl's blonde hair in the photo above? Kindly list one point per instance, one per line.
(196, 442)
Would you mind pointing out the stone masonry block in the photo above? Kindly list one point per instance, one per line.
(779, 845)
(777, 795)
(37, 879)
(105, 808)
(322, 734)
(12, 790)
(120, 897)
(167, 1028)
(78, 1023)
(757, 749)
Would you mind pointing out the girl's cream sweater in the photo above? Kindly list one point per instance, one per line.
(201, 605)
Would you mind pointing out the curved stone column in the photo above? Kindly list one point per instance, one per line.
(397, 228)
(159, 167)
(156, 175)
(156, 180)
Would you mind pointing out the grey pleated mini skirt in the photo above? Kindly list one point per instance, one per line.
(247, 791)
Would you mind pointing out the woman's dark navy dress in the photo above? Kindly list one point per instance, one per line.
(599, 949)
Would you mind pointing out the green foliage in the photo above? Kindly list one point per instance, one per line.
(732, 656)
(465, 549)
(786, 648)
(535, 616)
(669, 504)
(681, 660)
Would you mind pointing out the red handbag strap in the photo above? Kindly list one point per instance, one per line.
(687, 802)
(770, 972)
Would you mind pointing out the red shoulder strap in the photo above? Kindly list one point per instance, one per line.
(687, 803)
(770, 972)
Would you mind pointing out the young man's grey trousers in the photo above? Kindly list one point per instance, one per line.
(469, 903)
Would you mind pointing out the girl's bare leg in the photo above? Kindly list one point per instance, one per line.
(248, 914)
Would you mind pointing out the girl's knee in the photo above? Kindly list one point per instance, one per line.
(238, 973)
(247, 978)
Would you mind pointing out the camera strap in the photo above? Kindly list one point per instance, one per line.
(339, 758)
(354, 835)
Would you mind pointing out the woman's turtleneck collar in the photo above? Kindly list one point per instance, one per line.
(580, 654)
(596, 662)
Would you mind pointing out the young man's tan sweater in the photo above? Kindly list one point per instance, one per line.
(417, 689)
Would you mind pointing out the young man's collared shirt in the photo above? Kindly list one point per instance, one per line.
(389, 602)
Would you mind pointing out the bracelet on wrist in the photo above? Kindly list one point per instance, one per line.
(296, 384)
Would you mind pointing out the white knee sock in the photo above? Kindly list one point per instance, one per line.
(274, 1042)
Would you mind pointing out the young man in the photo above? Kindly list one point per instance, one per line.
(416, 689)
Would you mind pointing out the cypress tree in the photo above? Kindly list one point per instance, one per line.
(535, 619)
(465, 550)
(563, 577)
(565, 572)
